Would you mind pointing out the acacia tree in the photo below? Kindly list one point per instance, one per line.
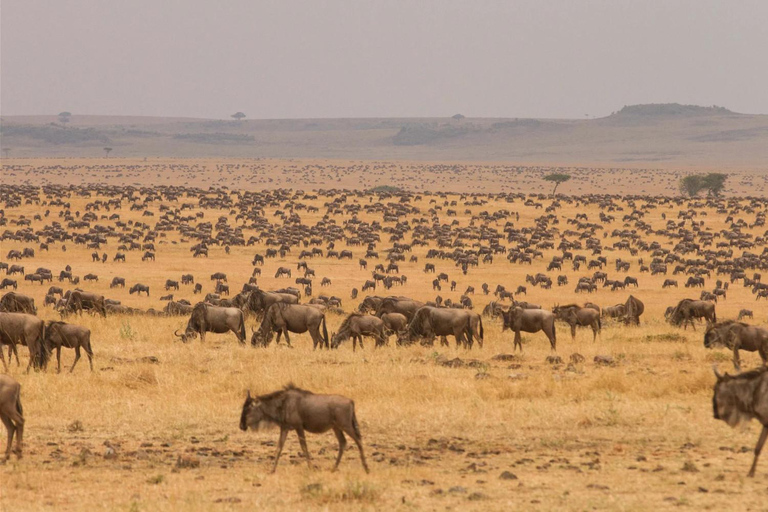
(238, 116)
(557, 178)
(64, 117)
(106, 152)
(713, 183)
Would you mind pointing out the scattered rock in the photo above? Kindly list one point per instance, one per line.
(187, 461)
(690, 467)
(598, 487)
(506, 357)
(517, 376)
(482, 375)
(554, 359)
(605, 360)
(458, 490)
(231, 499)
(75, 426)
(576, 358)
(477, 496)
(508, 475)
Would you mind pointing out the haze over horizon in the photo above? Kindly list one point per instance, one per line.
(340, 59)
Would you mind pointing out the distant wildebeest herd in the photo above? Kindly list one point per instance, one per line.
(685, 245)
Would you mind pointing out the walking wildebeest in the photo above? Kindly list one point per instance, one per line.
(12, 414)
(138, 288)
(429, 322)
(13, 302)
(21, 328)
(738, 336)
(357, 325)
(296, 409)
(530, 320)
(297, 318)
(574, 315)
(740, 398)
(207, 318)
(688, 309)
(60, 334)
(78, 301)
(402, 305)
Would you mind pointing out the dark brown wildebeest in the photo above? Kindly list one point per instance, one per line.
(187, 279)
(370, 304)
(668, 283)
(21, 328)
(60, 334)
(530, 320)
(297, 318)
(303, 411)
(740, 398)
(738, 336)
(354, 293)
(78, 301)
(148, 256)
(688, 309)
(15, 269)
(12, 414)
(260, 301)
(402, 305)
(198, 288)
(117, 281)
(34, 278)
(170, 284)
(207, 318)
(617, 311)
(219, 276)
(394, 322)
(119, 257)
(283, 271)
(634, 308)
(357, 325)
(177, 308)
(222, 288)
(429, 322)
(493, 310)
(91, 277)
(576, 316)
(138, 288)
(13, 302)
(9, 282)
(745, 313)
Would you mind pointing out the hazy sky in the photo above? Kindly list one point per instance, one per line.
(357, 58)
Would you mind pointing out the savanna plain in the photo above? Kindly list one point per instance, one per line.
(482, 433)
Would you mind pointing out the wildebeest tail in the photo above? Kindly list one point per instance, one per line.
(19, 409)
(41, 357)
(355, 425)
(599, 324)
(481, 329)
(242, 327)
(325, 333)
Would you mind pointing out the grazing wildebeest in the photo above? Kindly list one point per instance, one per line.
(357, 325)
(403, 305)
(574, 315)
(187, 279)
(429, 322)
(8, 282)
(207, 318)
(177, 308)
(148, 256)
(745, 313)
(688, 309)
(119, 257)
(296, 409)
(138, 288)
(283, 271)
(15, 269)
(222, 289)
(493, 309)
(617, 311)
(117, 281)
(738, 336)
(12, 414)
(530, 320)
(219, 276)
(740, 398)
(60, 334)
(297, 318)
(394, 322)
(79, 300)
(198, 289)
(669, 282)
(91, 277)
(353, 293)
(13, 302)
(259, 301)
(27, 330)
(634, 308)
(170, 284)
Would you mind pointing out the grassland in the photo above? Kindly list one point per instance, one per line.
(638, 435)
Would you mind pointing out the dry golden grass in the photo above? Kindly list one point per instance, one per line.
(635, 436)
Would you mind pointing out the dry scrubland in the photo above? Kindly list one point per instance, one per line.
(636, 436)
(313, 174)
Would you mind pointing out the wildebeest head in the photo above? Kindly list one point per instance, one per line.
(261, 410)
(510, 316)
(195, 325)
(727, 397)
(251, 415)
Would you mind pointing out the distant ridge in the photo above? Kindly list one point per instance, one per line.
(672, 109)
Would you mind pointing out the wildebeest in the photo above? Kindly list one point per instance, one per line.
(634, 309)
(117, 281)
(138, 288)
(745, 313)
(688, 309)
(738, 336)
(297, 318)
(219, 276)
(403, 305)
(260, 301)
(296, 409)
(207, 318)
(177, 308)
(6, 282)
(429, 322)
(187, 279)
(12, 414)
(574, 315)
(24, 329)
(669, 282)
(530, 320)
(13, 302)
(79, 300)
(60, 334)
(394, 322)
(170, 284)
(740, 398)
(283, 271)
(357, 325)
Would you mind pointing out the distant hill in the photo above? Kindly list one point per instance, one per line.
(654, 135)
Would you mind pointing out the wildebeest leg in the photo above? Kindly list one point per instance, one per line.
(89, 353)
(444, 341)
(9, 426)
(353, 431)
(758, 449)
(303, 443)
(58, 359)
(280, 443)
(573, 331)
(2, 357)
(736, 360)
(594, 332)
(77, 358)
(360, 340)
(342, 446)
(287, 338)
(518, 341)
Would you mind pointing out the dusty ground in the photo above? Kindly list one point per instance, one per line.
(490, 434)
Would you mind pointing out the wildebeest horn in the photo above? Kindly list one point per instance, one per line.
(253, 329)
(717, 373)
(176, 333)
(248, 396)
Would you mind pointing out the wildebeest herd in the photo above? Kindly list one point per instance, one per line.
(629, 243)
